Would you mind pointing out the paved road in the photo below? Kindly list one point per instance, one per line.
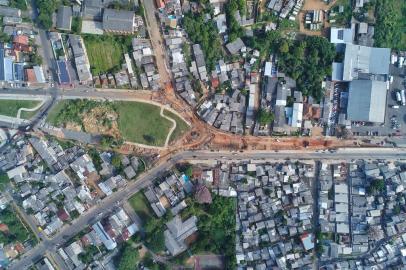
(44, 49)
(111, 202)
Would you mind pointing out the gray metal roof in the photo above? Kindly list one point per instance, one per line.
(338, 69)
(362, 59)
(64, 18)
(367, 101)
(9, 11)
(118, 20)
(235, 46)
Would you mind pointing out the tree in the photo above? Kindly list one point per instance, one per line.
(128, 258)
(116, 161)
(36, 59)
(264, 117)
(284, 46)
(377, 185)
(4, 37)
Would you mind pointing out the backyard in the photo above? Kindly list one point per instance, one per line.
(10, 107)
(16, 230)
(105, 52)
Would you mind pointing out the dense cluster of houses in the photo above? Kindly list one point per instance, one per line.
(360, 217)
(274, 216)
(16, 55)
(176, 41)
(170, 194)
(104, 236)
(284, 8)
(57, 185)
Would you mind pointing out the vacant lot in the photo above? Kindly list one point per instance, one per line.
(133, 121)
(181, 126)
(140, 205)
(142, 123)
(10, 107)
(105, 53)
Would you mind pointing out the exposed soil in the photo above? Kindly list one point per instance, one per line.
(73, 126)
(101, 120)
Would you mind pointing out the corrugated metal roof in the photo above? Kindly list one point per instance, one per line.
(367, 101)
(362, 59)
(118, 20)
(64, 18)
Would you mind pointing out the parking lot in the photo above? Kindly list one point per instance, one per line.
(386, 129)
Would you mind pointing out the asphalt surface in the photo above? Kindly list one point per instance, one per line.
(111, 202)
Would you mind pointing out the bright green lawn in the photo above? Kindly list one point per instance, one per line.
(104, 54)
(10, 107)
(142, 123)
(181, 126)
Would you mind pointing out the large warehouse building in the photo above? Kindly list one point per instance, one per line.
(367, 101)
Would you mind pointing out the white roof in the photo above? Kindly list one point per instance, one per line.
(268, 69)
(297, 115)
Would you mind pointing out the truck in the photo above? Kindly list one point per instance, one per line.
(398, 97)
(403, 97)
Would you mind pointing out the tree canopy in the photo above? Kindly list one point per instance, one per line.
(128, 258)
(46, 8)
(307, 62)
(205, 34)
(264, 117)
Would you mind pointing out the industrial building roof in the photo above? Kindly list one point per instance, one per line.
(118, 20)
(361, 59)
(367, 101)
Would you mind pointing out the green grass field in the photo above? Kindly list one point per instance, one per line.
(142, 123)
(105, 53)
(181, 126)
(10, 107)
(140, 205)
(53, 114)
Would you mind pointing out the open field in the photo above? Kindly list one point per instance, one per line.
(142, 123)
(132, 121)
(181, 126)
(105, 53)
(10, 107)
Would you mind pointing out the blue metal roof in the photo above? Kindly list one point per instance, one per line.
(63, 73)
(18, 72)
